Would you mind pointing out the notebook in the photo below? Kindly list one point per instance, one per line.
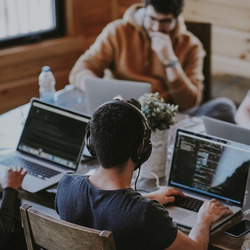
(99, 91)
(206, 167)
(226, 130)
(50, 145)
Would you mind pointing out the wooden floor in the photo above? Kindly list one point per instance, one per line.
(233, 87)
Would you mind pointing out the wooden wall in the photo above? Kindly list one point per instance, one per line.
(21, 65)
(230, 32)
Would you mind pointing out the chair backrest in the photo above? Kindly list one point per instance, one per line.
(46, 232)
(203, 31)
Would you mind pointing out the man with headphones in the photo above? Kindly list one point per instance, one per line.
(119, 136)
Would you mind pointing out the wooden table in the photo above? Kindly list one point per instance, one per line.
(11, 124)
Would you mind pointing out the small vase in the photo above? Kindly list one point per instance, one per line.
(155, 166)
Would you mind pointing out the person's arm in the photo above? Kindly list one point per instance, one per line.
(198, 237)
(77, 75)
(242, 116)
(10, 184)
(95, 60)
(164, 195)
(209, 212)
(185, 87)
(7, 214)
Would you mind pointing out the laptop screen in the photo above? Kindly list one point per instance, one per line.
(226, 130)
(110, 89)
(210, 166)
(53, 134)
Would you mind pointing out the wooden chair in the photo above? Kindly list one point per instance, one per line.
(45, 232)
(204, 33)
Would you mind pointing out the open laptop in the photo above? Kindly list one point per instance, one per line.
(206, 167)
(50, 145)
(226, 130)
(99, 91)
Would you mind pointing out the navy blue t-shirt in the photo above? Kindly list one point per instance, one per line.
(135, 221)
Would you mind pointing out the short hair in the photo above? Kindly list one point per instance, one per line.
(174, 7)
(116, 133)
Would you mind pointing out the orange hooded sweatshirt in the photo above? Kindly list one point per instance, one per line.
(124, 48)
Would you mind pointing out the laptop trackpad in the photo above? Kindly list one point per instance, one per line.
(182, 216)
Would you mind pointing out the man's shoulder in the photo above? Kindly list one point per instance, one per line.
(183, 35)
(119, 25)
(71, 179)
(145, 202)
(188, 42)
(71, 176)
(189, 37)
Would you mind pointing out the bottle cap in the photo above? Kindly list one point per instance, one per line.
(46, 68)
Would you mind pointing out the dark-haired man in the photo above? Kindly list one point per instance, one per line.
(151, 44)
(119, 137)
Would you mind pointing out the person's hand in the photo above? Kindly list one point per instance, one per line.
(165, 195)
(162, 46)
(13, 178)
(213, 210)
(242, 115)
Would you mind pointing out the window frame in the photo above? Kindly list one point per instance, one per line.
(34, 37)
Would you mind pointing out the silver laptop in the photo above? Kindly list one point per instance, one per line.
(50, 145)
(226, 130)
(99, 91)
(206, 167)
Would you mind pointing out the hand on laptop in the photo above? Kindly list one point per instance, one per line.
(165, 195)
(13, 178)
(212, 211)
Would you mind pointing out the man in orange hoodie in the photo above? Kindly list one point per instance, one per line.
(151, 44)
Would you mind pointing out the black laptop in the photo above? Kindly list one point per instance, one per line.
(50, 145)
(206, 167)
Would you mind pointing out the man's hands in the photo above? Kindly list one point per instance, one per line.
(210, 211)
(213, 210)
(162, 45)
(165, 195)
(13, 178)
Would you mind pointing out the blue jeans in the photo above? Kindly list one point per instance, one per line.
(220, 108)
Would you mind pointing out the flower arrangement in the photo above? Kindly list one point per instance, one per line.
(160, 115)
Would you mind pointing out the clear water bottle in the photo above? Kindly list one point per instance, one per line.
(47, 85)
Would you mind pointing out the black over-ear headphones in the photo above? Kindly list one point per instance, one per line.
(143, 150)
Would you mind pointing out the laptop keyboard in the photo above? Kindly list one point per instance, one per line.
(189, 203)
(32, 168)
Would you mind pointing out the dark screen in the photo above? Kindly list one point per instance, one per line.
(53, 134)
(210, 166)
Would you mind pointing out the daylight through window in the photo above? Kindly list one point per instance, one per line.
(29, 19)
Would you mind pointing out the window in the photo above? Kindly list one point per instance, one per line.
(25, 21)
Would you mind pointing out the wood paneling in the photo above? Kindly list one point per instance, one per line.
(230, 66)
(20, 66)
(123, 5)
(94, 16)
(230, 32)
(226, 13)
(231, 43)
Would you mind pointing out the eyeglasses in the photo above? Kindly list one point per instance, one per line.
(163, 22)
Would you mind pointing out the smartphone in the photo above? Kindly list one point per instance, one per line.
(239, 229)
